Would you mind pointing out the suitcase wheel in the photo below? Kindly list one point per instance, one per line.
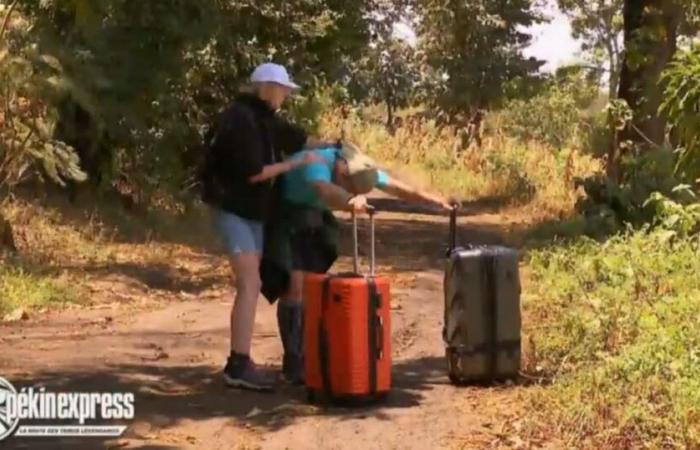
(310, 396)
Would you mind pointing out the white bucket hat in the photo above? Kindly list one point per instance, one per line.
(272, 73)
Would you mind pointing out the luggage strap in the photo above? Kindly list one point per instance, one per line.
(510, 346)
(492, 314)
(375, 329)
(323, 350)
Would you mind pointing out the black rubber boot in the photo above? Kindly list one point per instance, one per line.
(290, 319)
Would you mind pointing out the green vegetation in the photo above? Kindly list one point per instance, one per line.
(116, 96)
(682, 95)
(614, 327)
(559, 116)
(22, 289)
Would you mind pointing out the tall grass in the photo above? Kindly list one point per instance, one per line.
(430, 156)
(48, 244)
(614, 326)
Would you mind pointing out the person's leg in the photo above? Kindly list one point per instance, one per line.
(290, 319)
(304, 245)
(244, 244)
(245, 266)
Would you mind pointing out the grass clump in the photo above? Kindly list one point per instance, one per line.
(22, 289)
(615, 330)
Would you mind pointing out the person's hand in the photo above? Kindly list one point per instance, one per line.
(448, 204)
(358, 204)
(453, 203)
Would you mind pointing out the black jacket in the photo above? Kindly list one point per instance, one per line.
(277, 257)
(247, 136)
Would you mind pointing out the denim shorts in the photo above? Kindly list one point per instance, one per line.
(239, 235)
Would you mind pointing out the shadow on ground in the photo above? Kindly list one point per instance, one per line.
(167, 395)
(414, 245)
(194, 228)
(404, 244)
(154, 276)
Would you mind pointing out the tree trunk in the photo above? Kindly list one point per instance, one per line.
(650, 42)
(614, 82)
(613, 61)
(77, 127)
(7, 240)
(390, 116)
(475, 128)
(612, 168)
(650, 33)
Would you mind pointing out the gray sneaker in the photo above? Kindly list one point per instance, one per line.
(244, 374)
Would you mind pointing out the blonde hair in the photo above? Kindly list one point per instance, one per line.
(249, 88)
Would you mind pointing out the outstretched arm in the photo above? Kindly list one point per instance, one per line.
(404, 191)
(338, 198)
(274, 170)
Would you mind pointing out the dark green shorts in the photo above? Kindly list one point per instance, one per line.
(308, 251)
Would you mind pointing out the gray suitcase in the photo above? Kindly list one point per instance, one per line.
(482, 312)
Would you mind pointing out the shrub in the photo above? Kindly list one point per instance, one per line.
(619, 205)
(681, 99)
(31, 81)
(614, 328)
(555, 117)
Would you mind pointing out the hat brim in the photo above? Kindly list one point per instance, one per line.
(289, 84)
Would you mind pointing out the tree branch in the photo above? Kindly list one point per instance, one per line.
(645, 137)
(6, 21)
(592, 67)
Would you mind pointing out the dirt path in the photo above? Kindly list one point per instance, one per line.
(168, 347)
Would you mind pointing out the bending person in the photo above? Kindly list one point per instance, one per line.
(303, 237)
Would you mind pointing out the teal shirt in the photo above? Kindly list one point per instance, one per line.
(297, 184)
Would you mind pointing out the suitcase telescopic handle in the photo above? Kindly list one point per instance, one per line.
(453, 230)
(356, 251)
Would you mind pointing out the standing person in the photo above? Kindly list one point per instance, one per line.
(303, 237)
(245, 156)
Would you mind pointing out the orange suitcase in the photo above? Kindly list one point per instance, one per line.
(347, 333)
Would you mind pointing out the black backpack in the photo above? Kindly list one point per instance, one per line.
(205, 155)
